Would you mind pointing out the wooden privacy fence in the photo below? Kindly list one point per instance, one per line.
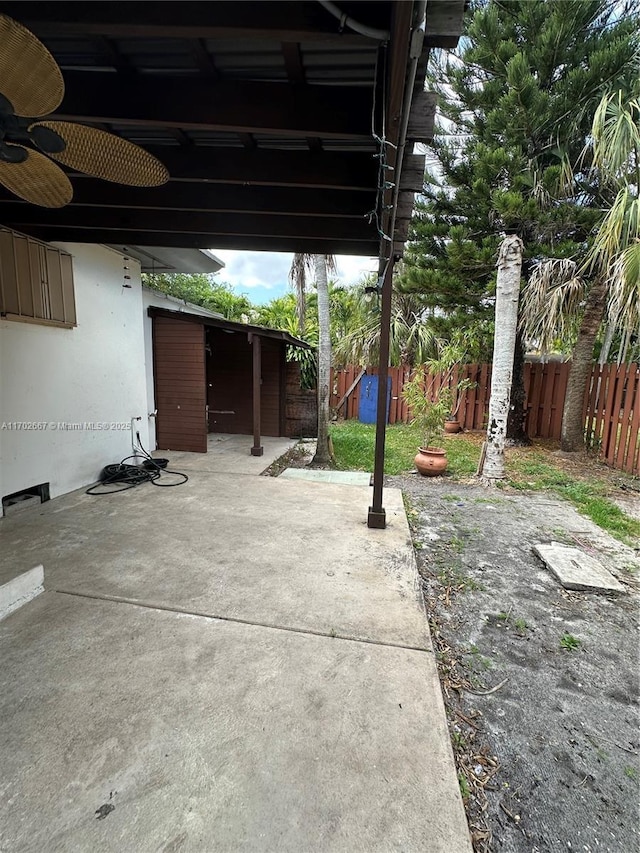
(611, 405)
(612, 415)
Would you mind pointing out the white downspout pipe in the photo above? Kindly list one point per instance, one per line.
(356, 26)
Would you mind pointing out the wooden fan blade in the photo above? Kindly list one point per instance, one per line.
(37, 180)
(106, 156)
(29, 76)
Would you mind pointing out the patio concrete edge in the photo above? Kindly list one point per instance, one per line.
(20, 590)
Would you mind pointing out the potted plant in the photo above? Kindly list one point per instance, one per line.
(429, 415)
(452, 424)
(434, 402)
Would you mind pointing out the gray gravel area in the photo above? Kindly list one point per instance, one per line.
(563, 722)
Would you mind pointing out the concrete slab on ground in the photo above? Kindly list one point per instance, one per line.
(229, 454)
(575, 569)
(194, 734)
(291, 554)
(318, 475)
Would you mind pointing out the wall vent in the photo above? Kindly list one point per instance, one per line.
(26, 498)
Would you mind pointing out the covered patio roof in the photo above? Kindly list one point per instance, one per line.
(230, 326)
(268, 115)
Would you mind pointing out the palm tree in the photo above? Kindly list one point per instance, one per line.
(507, 295)
(321, 264)
(412, 338)
(566, 295)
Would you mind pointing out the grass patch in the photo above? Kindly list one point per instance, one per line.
(530, 469)
(534, 471)
(354, 443)
(569, 642)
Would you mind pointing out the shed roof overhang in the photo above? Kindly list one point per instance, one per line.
(230, 326)
(265, 114)
(168, 259)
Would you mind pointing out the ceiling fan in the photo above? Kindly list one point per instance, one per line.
(32, 87)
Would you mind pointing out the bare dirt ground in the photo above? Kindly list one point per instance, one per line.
(541, 684)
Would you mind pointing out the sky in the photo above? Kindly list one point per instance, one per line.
(264, 275)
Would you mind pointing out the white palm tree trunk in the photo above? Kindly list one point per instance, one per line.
(507, 296)
(322, 456)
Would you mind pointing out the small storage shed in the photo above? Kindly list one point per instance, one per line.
(216, 376)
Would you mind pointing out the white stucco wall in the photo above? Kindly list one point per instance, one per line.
(94, 373)
(170, 303)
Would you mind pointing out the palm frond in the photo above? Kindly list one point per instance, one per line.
(619, 229)
(623, 309)
(552, 302)
(332, 265)
(615, 132)
(301, 265)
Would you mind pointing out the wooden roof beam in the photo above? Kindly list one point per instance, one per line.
(212, 198)
(444, 23)
(203, 58)
(188, 222)
(422, 117)
(113, 56)
(313, 245)
(235, 106)
(296, 74)
(412, 177)
(280, 21)
(267, 167)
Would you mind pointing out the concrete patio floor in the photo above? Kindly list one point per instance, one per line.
(235, 664)
(229, 454)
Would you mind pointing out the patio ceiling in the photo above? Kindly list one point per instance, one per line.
(261, 111)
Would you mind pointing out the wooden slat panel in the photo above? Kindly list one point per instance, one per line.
(481, 413)
(614, 416)
(536, 386)
(25, 280)
(270, 389)
(68, 290)
(600, 396)
(547, 399)
(557, 400)
(404, 409)
(180, 385)
(527, 395)
(632, 461)
(354, 399)
(348, 380)
(464, 405)
(625, 422)
(394, 409)
(608, 410)
(54, 277)
(472, 393)
(591, 404)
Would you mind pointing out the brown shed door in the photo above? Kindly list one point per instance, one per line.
(230, 381)
(180, 384)
(271, 391)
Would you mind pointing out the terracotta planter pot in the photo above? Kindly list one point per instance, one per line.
(431, 461)
(451, 427)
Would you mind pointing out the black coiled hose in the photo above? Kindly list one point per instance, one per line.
(121, 476)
